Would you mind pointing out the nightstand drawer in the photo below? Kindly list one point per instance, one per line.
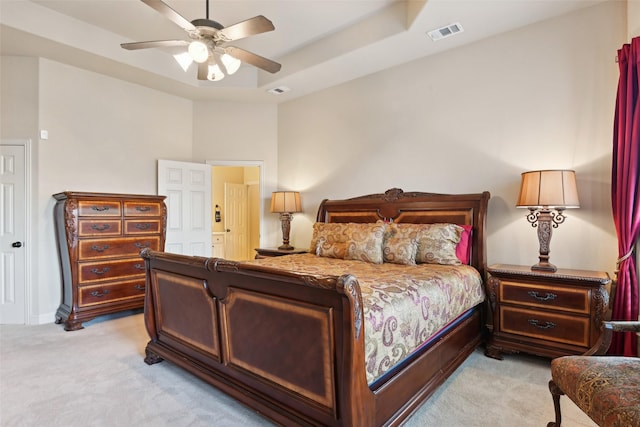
(575, 300)
(545, 325)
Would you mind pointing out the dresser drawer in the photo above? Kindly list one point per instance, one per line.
(99, 227)
(99, 208)
(142, 226)
(138, 208)
(575, 300)
(90, 272)
(545, 325)
(112, 292)
(110, 248)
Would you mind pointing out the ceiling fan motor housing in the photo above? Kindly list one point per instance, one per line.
(207, 23)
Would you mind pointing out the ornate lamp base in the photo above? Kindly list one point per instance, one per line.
(545, 220)
(285, 218)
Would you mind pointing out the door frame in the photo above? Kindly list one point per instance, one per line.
(248, 163)
(27, 143)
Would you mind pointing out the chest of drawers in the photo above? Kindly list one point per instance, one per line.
(547, 314)
(99, 238)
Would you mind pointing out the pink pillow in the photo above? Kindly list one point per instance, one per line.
(463, 251)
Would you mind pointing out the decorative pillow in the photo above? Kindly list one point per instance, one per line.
(437, 244)
(333, 232)
(351, 240)
(400, 250)
(331, 250)
(365, 242)
(463, 249)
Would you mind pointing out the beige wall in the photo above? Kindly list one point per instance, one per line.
(238, 132)
(469, 120)
(105, 135)
(633, 18)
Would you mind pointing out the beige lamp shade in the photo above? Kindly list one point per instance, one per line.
(285, 202)
(548, 189)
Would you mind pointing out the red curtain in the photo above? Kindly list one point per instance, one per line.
(624, 193)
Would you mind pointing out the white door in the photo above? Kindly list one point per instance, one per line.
(13, 208)
(188, 190)
(236, 221)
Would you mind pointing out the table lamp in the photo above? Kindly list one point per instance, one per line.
(286, 203)
(547, 193)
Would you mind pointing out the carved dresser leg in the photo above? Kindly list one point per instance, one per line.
(151, 358)
(72, 325)
(555, 393)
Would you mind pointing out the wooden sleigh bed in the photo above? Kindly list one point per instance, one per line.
(291, 345)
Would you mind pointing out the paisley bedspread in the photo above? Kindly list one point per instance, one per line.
(404, 305)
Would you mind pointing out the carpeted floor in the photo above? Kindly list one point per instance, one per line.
(97, 377)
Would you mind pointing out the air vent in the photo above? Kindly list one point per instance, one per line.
(444, 32)
(278, 90)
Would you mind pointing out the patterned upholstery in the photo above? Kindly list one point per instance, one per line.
(606, 388)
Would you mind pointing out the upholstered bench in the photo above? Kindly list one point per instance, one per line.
(606, 388)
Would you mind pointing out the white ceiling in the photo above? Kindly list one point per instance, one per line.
(320, 43)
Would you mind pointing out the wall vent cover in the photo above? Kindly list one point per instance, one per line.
(446, 31)
(278, 90)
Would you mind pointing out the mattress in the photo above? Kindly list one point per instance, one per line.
(404, 305)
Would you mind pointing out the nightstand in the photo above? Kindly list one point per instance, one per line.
(271, 252)
(542, 313)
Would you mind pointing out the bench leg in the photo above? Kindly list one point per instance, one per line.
(555, 393)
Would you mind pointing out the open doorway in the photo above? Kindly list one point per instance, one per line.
(236, 202)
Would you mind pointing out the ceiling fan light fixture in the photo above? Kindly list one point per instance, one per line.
(215, 74)
(198, 51)
(230, 63)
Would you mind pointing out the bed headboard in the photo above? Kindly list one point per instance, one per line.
(418, 208)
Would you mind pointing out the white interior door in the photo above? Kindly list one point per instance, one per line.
(13, 208)
(188, 190)
(236, 221)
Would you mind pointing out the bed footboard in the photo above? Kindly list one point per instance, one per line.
(246, 329)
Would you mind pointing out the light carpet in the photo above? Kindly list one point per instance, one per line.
(97, 377)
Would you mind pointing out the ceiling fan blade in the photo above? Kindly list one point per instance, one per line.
(170, 14)
(253, 59)
(155, 43)
(256, 25)
(203, 70)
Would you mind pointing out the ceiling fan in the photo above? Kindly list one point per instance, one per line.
(208, 42)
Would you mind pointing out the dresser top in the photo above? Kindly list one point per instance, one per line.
(601, 277)
(88, 195)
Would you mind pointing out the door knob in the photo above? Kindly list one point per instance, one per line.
(17, 244)
(228, 230)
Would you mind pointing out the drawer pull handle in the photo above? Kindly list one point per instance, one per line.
(139, 287)
(144, 226)
(143, 208)
(99, 294)
(546, 325)
(100, 208)
(142, 245)
(96, 271)
(139, 266)
(100, 248)
(548, 297)
(100, 227)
